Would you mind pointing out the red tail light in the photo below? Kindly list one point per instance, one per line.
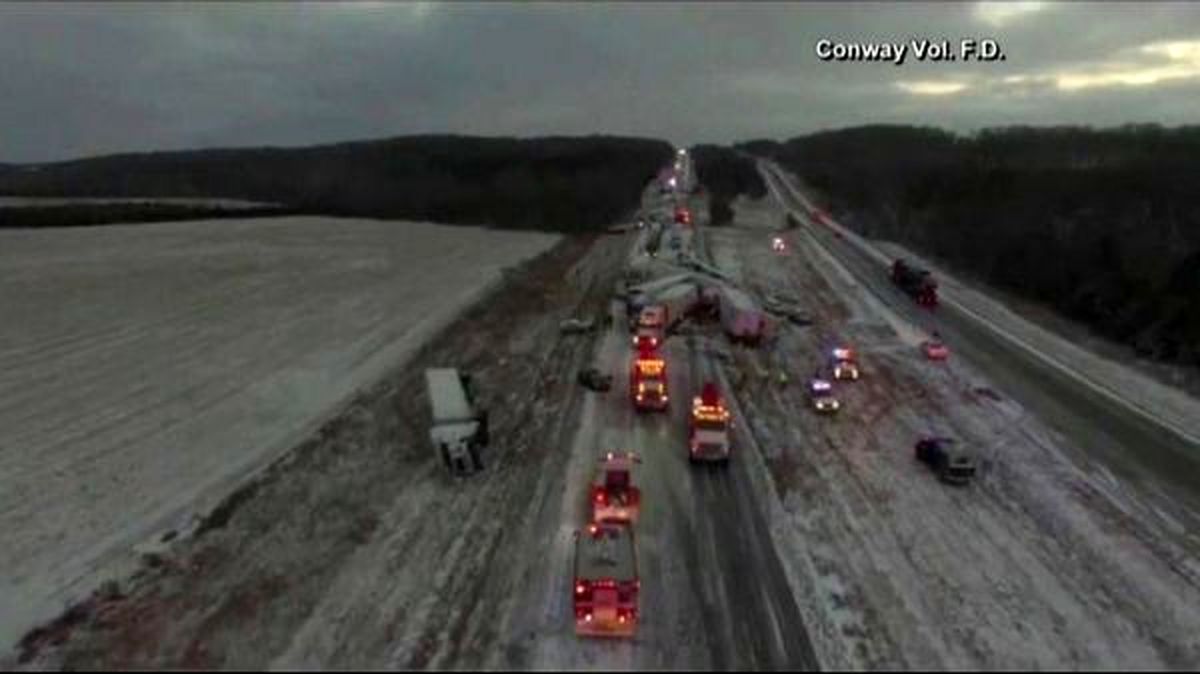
(600, 497)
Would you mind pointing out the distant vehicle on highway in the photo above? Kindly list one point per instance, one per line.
(650, 328)
(606, 587)
(708, 439)
(935, 349)
(820, 393)
(845, 364)
(615, 496)
(653, 316)
(951, 463)
(916, 282)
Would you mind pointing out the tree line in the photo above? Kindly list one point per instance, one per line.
(725, 173)
(553, 183)
(88, 215)
(1101, 224)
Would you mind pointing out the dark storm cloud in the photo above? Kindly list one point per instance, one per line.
(82, 79)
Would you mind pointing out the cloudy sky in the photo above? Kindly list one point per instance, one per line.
(80, 79)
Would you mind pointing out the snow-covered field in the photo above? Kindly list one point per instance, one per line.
(145, 369)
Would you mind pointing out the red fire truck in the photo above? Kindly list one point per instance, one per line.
(708, 439)
(615, 496)
(648, 381)
(606, 581)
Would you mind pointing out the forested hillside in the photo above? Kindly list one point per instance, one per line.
(556, 183)
(1103, 225)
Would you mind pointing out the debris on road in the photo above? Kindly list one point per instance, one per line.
(592, 379)
(577, 326)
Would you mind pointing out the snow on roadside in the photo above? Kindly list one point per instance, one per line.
(1168, 402)
(1039, 567)
(1154, 399)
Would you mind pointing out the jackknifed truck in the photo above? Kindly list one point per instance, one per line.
(459, 431)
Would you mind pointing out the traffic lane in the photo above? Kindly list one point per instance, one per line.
(674, 629)
(776, 631)
(725, 589)
(1099, 429)
(761, 619)
(696, 596)
(783, 641)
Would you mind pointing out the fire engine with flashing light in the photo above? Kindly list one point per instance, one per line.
(708, 439)
(648, 381)
(606, 586)
(615, 496)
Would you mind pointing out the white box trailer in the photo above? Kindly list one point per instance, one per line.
(459, 431)
(643, 294)
(649, 288)
(741, 317)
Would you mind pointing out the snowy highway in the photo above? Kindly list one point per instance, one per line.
(1045, 562)
(823, 544)
(714, 592)
(1103, 426)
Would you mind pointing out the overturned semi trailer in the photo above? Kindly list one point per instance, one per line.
(741, 317)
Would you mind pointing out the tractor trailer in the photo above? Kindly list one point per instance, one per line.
(916, 282)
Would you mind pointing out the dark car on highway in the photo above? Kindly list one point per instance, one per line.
(949, 460)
